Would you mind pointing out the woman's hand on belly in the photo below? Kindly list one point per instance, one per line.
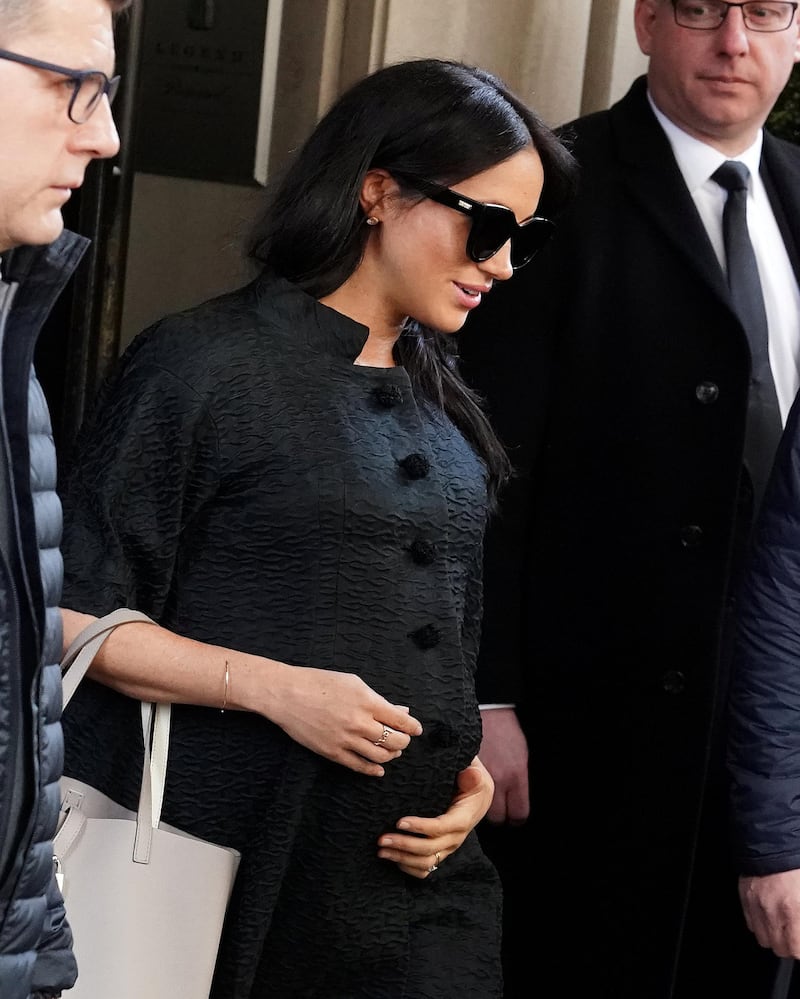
(334, 714)
(420, 845)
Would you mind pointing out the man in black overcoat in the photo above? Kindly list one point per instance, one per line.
(617, 371)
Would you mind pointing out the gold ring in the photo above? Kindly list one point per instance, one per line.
(386, 733)
(435, 865)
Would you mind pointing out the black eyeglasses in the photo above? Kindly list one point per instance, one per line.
(771, 15)
(88, 85)
(492, 225)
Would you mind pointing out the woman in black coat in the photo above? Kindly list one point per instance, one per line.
(295, 471)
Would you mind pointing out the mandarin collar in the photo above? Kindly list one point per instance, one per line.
(322, 328)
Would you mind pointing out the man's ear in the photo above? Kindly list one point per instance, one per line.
(377, 186)
(644, 14)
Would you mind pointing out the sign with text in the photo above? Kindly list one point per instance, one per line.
(206, 84)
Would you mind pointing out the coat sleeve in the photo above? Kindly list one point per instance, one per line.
(764, 715)
(145, 464)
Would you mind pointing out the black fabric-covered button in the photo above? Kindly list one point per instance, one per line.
(423, 552)
(673, 682)
(388, 395)
(426, 637)
(691, 536)
(416, 466)
(707, 393)
(440, 736)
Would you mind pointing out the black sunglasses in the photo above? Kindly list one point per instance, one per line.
(88, 85)
(492, 225)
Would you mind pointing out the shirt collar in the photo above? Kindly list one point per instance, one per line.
(697, 160)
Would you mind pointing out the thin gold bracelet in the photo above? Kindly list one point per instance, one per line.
(225, 694)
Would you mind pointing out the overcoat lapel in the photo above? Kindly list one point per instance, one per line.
(781, 176)
(649, 167)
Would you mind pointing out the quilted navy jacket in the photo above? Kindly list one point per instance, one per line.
(764, 744)
(35, 939)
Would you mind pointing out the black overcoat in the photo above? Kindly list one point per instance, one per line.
(244, 483)
(617, 372)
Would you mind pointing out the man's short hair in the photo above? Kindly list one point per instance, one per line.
(16, 13)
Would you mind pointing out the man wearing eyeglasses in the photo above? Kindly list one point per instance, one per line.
(641, 389)
(56, 60)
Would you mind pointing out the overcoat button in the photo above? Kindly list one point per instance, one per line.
(673, 682)
(416, 466)
(691, 536)
(423, 552)
(440, 736)
(426, 637)
(388, 395)
(707, 392)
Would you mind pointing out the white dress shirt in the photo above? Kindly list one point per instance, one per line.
(697, 161)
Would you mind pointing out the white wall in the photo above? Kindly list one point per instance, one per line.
(562, 56)
(184, 245)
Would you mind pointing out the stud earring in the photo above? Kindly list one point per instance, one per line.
(371, 220)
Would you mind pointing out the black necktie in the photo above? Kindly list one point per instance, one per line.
(763, 412)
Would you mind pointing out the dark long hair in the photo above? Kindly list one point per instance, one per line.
(432, 118)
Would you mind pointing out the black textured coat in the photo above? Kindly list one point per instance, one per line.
(246, 484)
(617, 372)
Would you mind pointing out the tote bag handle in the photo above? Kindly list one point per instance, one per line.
(155, 734)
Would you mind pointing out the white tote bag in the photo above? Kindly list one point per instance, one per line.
(146, 902)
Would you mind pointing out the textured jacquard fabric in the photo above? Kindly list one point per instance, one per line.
(244, 483)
